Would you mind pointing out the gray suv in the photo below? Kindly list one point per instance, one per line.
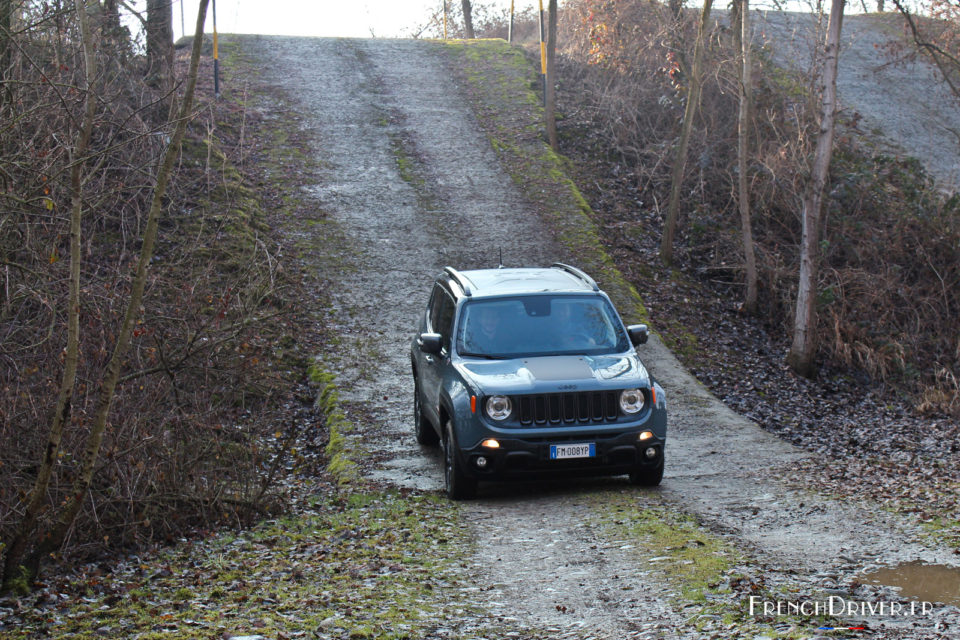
(524, 372)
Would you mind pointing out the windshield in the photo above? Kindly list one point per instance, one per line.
(540, 325)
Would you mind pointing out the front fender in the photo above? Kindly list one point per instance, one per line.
(659, 426)
(465, 412)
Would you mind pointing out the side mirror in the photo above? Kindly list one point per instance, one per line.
(430, 342)
(639, 334)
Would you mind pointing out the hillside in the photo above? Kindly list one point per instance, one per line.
(894, 93)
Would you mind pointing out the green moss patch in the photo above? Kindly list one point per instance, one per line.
(713, 580)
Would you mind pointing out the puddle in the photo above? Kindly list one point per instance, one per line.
(924, 582)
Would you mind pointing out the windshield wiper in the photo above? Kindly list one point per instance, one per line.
(486, 356)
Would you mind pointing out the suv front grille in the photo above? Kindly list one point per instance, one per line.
(587, 407)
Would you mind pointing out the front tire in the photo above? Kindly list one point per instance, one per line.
(426, 434)
(647, 476)
(456, 482)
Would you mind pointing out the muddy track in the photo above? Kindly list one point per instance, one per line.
(412, 185)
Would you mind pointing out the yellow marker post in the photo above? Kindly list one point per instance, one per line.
(543, 57)
(510, 30)
(216, 54)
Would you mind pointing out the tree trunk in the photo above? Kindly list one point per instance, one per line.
(36, 501)
(743, 157)
(676, 8)
(680, 159)
(160, 44)
(112, 30)
(550, 110)
(6, 45)
(736, 26)
(803, 351)
(467, 19)
(6, 28)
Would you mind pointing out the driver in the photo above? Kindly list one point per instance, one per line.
(484, 336)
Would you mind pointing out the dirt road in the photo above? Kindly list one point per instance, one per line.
(413, 185)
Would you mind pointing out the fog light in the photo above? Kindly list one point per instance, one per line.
(651, 453)
(490, 444)
(646, 435)
(481, 462)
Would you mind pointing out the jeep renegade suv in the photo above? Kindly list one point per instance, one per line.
(521, 372)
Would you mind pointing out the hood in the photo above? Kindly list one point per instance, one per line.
(546, 374)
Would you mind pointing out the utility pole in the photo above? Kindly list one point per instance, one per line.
(510, 29)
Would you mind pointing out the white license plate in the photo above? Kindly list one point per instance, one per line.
(563, 451)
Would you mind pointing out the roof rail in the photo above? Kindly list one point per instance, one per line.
(577, 273)
(460, 279)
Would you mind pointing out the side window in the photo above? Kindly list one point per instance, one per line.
(441, 315)
(434, 308)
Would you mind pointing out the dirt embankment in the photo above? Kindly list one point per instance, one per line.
(897, 94)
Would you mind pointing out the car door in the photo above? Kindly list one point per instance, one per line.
(439, 320)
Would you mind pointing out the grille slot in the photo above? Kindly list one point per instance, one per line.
(587, 407)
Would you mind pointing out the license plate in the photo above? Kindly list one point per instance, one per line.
(563, 451)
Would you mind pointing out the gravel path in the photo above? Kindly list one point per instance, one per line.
(413, 185)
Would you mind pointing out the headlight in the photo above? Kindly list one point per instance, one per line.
(631, 400)
(499, 407)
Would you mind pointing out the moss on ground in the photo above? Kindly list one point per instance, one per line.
(372, 565)
(706, 570)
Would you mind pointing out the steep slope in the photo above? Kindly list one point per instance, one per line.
(897, 95)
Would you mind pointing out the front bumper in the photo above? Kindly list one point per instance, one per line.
(519, 457)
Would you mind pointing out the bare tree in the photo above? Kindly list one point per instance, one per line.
(743, 157)
(676, 8)
(467, 19)
(6, 28)
(803, 351)
(550, 99)
(36, 501)
(160, 43)
(18, 563)
(6, 22)
(114, 34)
(947, 63)
(680, 159)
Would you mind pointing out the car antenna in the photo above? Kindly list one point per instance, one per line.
(501, 257)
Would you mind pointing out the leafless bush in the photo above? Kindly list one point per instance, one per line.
(185, 442)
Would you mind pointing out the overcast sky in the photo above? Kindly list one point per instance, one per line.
(346, 18)
(354, 18)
